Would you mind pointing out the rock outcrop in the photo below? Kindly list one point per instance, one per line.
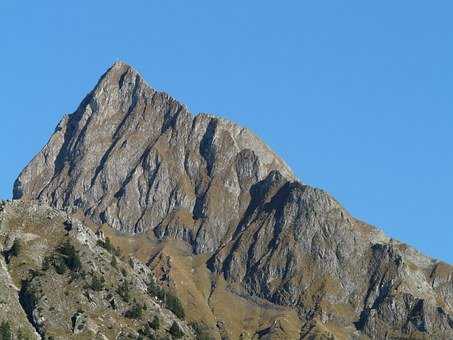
(136, 160)
(63, 284)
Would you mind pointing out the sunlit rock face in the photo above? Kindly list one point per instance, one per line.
(132, 157)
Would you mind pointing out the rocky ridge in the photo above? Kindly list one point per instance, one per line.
(136, 160)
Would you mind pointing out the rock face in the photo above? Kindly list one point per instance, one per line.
(297, 246)
(137, 160)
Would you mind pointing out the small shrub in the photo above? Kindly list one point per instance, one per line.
(171, 301)
(176, 331)
(77, 275)
(155, 324)
(124, 291)
(23, 335)
(147, 333)
(59, 265)
(202, 331)
(174, 304)
(135, 312)
(70, 256)
(47, 262)
(114, 262)
(154, 289)
(97, 282)
(107, 245)
(5, 331)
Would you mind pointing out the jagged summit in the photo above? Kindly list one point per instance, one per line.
(119, 64)
(120, 68)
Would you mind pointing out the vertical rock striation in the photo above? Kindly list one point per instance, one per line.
(136, 159)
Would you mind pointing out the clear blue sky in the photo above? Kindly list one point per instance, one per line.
(355, 95)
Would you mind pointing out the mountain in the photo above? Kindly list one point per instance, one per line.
(220, 220)
(136, 159)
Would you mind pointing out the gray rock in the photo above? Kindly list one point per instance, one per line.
(79, 321)
(130, 157)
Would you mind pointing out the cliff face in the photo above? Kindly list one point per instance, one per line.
(138, 161)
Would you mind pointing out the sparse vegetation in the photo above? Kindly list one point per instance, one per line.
(155, 324)
(171, 301)
(45, 295)
(70, 256)
(23, 335)
(176, 331)
(97, 282)
(66, 257)
(135, 312)
(124, 291)
(154, 289)
(107, 245)
(123, 272)
(146, 333)
(114, 262)
(5, 331)
(202, 331)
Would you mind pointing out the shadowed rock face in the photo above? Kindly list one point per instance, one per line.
(137, 160)
(297, 246)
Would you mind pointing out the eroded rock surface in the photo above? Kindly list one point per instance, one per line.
(136, 159)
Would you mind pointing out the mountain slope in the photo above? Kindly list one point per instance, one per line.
(137, 161)
(91, 297)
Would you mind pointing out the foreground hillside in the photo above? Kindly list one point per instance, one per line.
(221, 221)
(60, 280)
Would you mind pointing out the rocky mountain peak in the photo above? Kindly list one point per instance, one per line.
(131, 156)
(136, 160)
(116, 91)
